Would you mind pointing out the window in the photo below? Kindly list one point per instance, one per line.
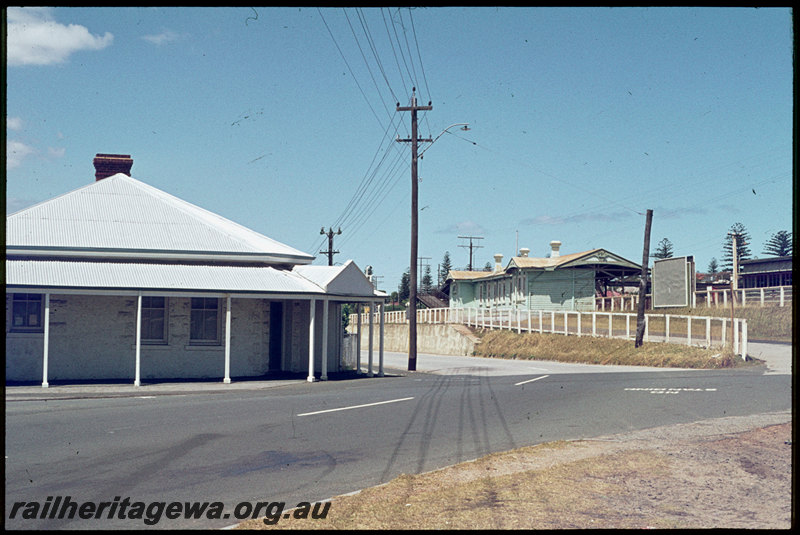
(154, 320)
(204, 328)
(26, 314)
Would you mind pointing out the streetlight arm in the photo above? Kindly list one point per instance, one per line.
(465, 126)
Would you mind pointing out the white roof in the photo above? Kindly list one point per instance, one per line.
(339, 280)
(122, 217)
(54, 275)
(65, 274)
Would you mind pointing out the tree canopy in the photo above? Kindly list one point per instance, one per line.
(742, 246)
(663, 249)
(780, 244)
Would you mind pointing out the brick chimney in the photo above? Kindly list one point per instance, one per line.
(106, 165)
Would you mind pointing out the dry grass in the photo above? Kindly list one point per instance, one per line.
(763, 323)
(589, 350)
(633, 482)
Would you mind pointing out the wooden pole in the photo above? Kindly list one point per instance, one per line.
(640, 321)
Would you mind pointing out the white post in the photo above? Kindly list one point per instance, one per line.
(762, 296)
(519, 322)
(781, 295)
(380, 345)
(324, 371)
(46, 349)
(646, 328)
(137, 374)
(594, 323)
(744, 298)
(358, 327)
(312, 314)
(227, 378)
(666, 324)
(688, 330)
(371, 324)
(579, 324)
(744, 339)
(708, 332)
(627, 326)
(566, 323)
(736, 336)
(724, 331)
(610, 329)
(541, 326)
(529, 319)
(553, 321)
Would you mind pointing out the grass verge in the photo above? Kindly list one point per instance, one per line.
(763, 323)
(589, 350)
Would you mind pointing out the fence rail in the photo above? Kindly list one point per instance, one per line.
(702, 331)
(757, 297)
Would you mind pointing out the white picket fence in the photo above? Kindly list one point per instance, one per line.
(702, 331)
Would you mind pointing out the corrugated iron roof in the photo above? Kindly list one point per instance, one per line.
(468, 275)
(120, 213)
(347, 279)
(64, 274)
(552, 262)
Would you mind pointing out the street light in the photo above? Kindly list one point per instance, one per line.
(464, 127)
(412, 293)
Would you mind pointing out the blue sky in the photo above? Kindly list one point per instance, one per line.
(284, 120)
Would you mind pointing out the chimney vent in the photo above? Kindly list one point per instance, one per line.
(524, 252)
(106, 165)
(498, 262)
(555, 246)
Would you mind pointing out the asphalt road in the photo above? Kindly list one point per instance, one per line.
(305, 442)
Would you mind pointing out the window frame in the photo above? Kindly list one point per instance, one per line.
(147, 310)
(205, 312)
(25, 327)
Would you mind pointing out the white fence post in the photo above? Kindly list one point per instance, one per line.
(744, 339)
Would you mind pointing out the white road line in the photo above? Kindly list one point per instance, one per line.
(356, 406)
(531, 380)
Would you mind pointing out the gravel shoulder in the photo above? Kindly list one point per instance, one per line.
(731, 473)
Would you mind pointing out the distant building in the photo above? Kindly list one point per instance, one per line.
(765, 272)
(120, 280)
(560, 282)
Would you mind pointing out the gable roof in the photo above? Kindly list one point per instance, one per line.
(600, 259)
(346, 280)
(122, 217)
(593, 257)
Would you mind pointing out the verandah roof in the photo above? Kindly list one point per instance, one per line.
(25, 275)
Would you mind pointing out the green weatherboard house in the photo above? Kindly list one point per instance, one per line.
(560, 282)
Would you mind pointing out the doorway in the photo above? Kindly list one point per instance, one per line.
(275, 335)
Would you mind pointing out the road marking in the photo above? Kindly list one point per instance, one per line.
(665, 390)
(355, 406)
(531, 380)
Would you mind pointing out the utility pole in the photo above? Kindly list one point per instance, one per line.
(640, 321)
(470, 238)
(330, 252)
(412, 279)
(734, 280)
